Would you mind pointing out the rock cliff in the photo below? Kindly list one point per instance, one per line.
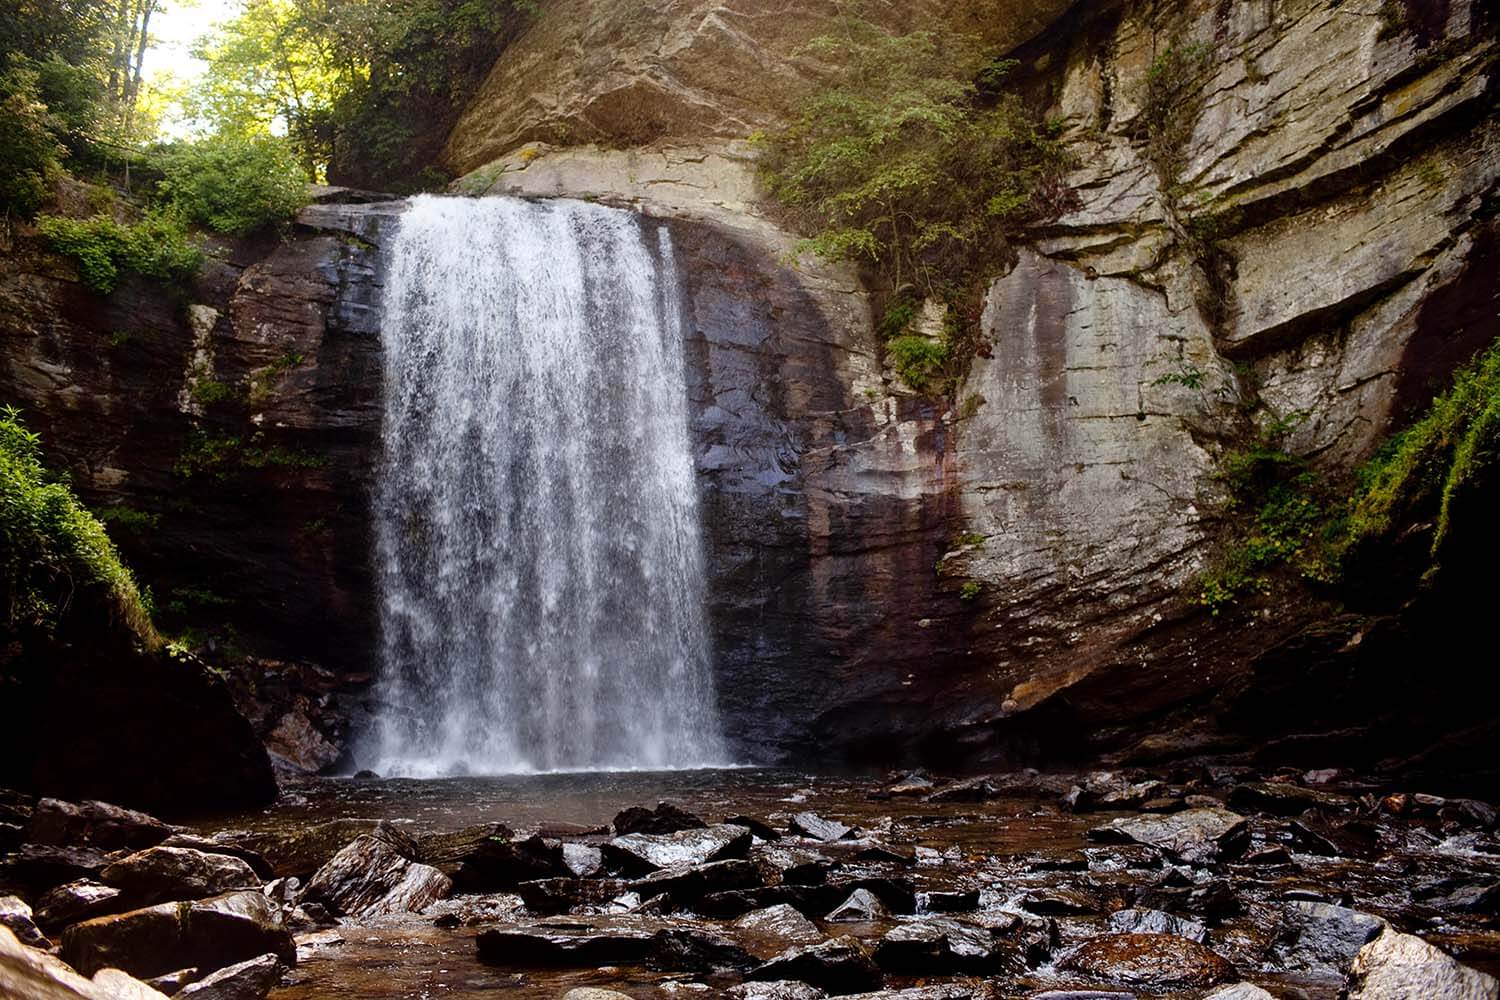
(1006, 571)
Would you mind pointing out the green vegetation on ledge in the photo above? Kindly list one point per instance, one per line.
(53, 550)
(155, 247)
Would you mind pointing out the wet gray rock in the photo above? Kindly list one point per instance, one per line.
(593, 993)
(1193, 834)
(36, 868)
(948, 901)
(76, 901)
(582, 946)
(647, 852)
(839, 967)
(693, 949)
(862, 906)
(176, 873)
(810, 824)
(302, 850)
(209, 845)
(1135, 921)
(1398, 966)
(785, 989)
(252, 979)
(937, 947)
(1239, 991)
(1060, 901)
(686, 883)
(1323, 938)
(583, 860)
(769, 932)
(1286, 799)
(760, 829)
(16, 915)
(488, 857)
(945, 991)
(33, 974)
(559, 895)
(369, 878)
(1150, 960)
(665, 818)
(94, 824)
(169, 983)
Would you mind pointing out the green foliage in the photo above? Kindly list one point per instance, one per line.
(969, 591)
(919, 360)
(1420, 470)
(908, 162)
(30, 152)
(52, 550)
(233, 184)
(1187, 375)
(128, 518)
(208, 391)
(156, 247)
(206, 454)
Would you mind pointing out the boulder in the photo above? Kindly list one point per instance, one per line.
(207, 934)
(252, 979)
(1322, 938)
(210, 845)
(665, 818)
(369, 878)
(810, 824)
(593, 993)
(1398, 966)
(769, 932)
(578, 947)
(936, 947)
(35, 868)
(296, 741)
(301, 850)
(785, 989)
(862, 906)
(583, 860)
(559, 895)
(175, 873)
(16, 915)
(838, 967)
(33, 974)
(1158, 961)
(761, 829)
(1193, 834)
(76, 901)
(948, 900)
(488, 857)
(1286, 799)
(640, 853)
(1140, 921)
(94, 824)
(692, 949)
(689, 882)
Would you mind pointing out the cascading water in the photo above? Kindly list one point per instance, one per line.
(537, 537)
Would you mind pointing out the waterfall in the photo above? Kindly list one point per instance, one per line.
(537, 545)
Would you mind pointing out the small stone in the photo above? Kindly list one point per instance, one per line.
(594, 993)
(582, 860)
(666, 818)
(645, 852)
(249, 980)
(171, 982)
(810, 824)
(1239, 991)
(785, 989)
(1133, 921)
(769, 932)
(862, 906)
(1323, 938)
(1193, 834)
(839, 966)
(1155, 960)
(16, 915)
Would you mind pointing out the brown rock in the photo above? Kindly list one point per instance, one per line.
(1151, 960)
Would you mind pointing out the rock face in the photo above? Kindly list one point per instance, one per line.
(1031, 543)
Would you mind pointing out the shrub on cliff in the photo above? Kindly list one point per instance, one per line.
(156, 247)
(29, 152)
(52, 550)
(233, 184)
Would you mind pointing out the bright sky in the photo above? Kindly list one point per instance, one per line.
(174, 30)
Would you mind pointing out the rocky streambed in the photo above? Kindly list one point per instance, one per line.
(1202, 882)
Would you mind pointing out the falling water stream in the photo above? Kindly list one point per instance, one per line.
(538, 553)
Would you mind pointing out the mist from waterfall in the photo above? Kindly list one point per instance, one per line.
(537, 539)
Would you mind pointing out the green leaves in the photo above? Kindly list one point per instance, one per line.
(233, 184)
(156, 247)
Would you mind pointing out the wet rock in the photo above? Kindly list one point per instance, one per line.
(296, 741)
(936, 947)
(94, 824)
(208, 934)
(593, 993)
(488, 857)
(1285, 799)
(33, 974)
(760, 829)
(583, 946)
(171, 982)
(1134, 921)
(1239, 991)
(897, 893)
(686, 883)
(880, 854)
(301, 851)
(1060, 902)
(641, 853)
(175, 873)
(1152, 960)
(1398, 966)
(980, 789)
(810, 824)
(369, 878)
(665, 818)
(946, 991)
(1322, 938)
(809, 899)
(76, 901)
(839, 966)
(769, 932)
(559, 895)
(1213, 898)
(35, 868)
(16, 915)
(252, 979)
(796, 867)
(1483, 899)
(1081, 995)
(948, 901)
(692, 949)
(283, 891)
(208, 845)
(583, 860)
(862, 906)
(784, 989)
(1193, 834)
